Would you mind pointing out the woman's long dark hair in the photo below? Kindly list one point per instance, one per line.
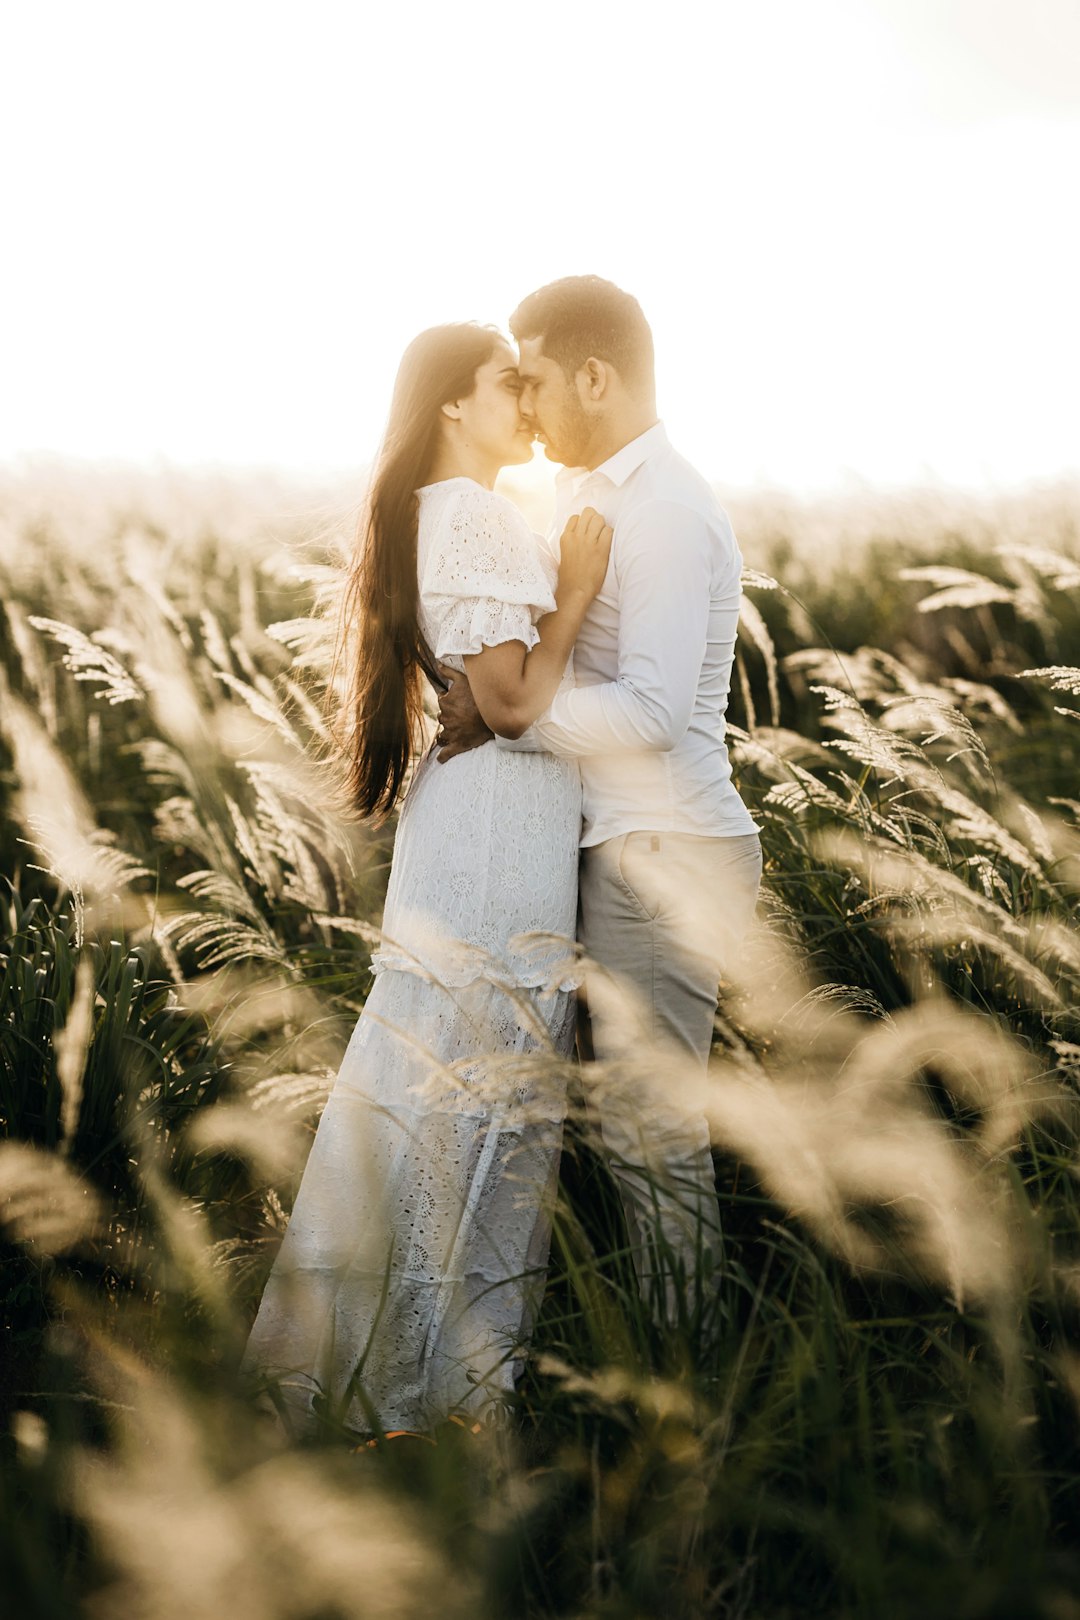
(379, 629)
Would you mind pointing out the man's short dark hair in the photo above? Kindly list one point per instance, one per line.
(583, 316)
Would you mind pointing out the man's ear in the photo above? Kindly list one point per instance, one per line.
(594, 378)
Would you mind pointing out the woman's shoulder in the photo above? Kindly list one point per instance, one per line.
(466, 492)
(462, 504)
(474, 542)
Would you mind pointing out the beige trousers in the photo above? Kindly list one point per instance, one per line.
(661, 915)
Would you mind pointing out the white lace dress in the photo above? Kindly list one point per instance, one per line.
(413, 1261)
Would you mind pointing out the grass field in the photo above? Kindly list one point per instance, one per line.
(881, 1414)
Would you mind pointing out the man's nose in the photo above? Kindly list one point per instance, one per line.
(525, 405)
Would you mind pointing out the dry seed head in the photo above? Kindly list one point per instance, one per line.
(188, 1536)
(266, 1142)
(71, 1044)
(44, 1205)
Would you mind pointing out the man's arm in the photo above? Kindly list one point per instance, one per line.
(664, 560)
(664, 564)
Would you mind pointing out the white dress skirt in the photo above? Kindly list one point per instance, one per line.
(408, 1278)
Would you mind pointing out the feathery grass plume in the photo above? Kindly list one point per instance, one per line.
(262, 705)
(303, 879)
(1068, 1060)
(217, 938)
(368, 932)
(876, 1179)
(56, 814)
(177, 822)
(839, 1124)
(988, 1073)
(894, 872)
(957, 587)
(173, 698)
(214, 641)
(661, 1399)
(1054, 941)
(140, 570)
(1061, 573)
(1030, 601)
(45, 784)
(1060, 678)
(911, 704)
(71, 1042)
(745, 691)
(88, 659)
(982, 700)
(843, 998)
(249, 1006)
(930, 719)
(994, 886)
(970, 823)
(260, 865)
(45, 1206)
(163, 764)
(300, 700)
(310, 640)
(1069, 804)
(232, 898)
(772, 746)
(291, 1094)
(751, 621)
(807, 793)
(193, 1521)
(1027, 981)
(889, 756)
(30, 660)
(867, 673)
(1037, 831)
(266, 1142)
(754, 579)
(90, 864)
(922, 908)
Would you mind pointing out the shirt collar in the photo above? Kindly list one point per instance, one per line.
(617, 468)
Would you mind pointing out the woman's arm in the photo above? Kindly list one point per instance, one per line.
(513, 686)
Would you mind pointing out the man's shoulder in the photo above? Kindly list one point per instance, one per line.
(668, 478)
(667, 486)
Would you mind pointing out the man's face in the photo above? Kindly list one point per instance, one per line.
(552, 406)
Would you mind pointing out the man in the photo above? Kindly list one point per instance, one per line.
(670, 857)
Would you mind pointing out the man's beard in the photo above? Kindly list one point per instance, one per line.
(574, 432)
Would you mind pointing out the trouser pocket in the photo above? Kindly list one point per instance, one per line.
(641, 870)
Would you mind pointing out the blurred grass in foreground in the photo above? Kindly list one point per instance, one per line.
(878, 1416)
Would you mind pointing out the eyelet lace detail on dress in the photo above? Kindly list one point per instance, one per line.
(408, 1278)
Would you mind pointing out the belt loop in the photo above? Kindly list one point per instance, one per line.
(654, 843)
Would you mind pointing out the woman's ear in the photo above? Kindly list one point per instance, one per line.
(452, 409)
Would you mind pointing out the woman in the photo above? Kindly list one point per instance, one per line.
(408, 1276)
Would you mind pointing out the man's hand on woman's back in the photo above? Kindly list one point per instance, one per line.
(461, 725)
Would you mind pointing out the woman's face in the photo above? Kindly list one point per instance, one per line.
(491, 420)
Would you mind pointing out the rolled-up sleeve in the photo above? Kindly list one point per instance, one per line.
(664, 565)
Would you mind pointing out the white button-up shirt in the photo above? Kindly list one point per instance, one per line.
(652, 662)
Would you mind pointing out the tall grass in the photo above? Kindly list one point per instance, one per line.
(877, 1414)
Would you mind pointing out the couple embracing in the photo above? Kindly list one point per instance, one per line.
(579, 784)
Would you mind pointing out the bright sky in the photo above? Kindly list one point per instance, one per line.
(852, 223)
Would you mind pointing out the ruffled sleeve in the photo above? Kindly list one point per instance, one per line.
(483, 579)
